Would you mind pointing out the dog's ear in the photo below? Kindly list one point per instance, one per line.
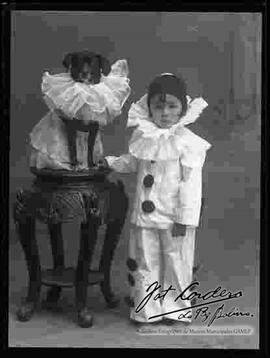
(105, 65)
(67, 60)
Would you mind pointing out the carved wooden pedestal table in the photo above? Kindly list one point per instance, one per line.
(56, 197)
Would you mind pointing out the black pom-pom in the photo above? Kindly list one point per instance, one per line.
(148, 181)
(148, 206)
(132, 264)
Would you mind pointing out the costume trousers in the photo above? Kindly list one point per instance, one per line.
(157, 261)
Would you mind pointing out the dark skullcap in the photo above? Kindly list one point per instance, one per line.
(168, 84)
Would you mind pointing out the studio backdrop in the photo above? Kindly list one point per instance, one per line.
(219, 55)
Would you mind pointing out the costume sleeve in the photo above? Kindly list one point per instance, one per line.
(126, 163)
(190, 189)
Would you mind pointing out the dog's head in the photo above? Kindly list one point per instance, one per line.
(86, 66)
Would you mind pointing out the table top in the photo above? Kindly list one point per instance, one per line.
(60, 173)
(93, 175)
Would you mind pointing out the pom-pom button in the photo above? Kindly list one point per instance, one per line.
(148, 206)
(148, 181)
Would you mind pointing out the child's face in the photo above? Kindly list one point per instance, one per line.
(165, 110)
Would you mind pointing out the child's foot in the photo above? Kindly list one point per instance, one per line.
(129, 302)
(136, 323)
(139, 324)
(172, 322)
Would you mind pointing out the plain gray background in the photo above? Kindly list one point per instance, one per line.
(219, 54)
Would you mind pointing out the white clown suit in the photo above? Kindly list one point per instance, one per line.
(168, 163)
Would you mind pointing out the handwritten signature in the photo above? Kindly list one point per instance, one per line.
(208, 298)
(205, 313)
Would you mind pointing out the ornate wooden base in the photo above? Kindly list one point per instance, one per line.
(55, 202)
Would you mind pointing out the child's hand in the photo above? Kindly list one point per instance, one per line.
(179, 230)
(113, 178)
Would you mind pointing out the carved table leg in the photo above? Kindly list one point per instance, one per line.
(118, 210)
(87, 245)
(57, 247)
(27, 237)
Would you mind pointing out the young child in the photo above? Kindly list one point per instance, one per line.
(90, 91)
(168, 159)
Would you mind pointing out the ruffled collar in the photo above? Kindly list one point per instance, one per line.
(150, 142)
(61, 91)
(65, 80)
